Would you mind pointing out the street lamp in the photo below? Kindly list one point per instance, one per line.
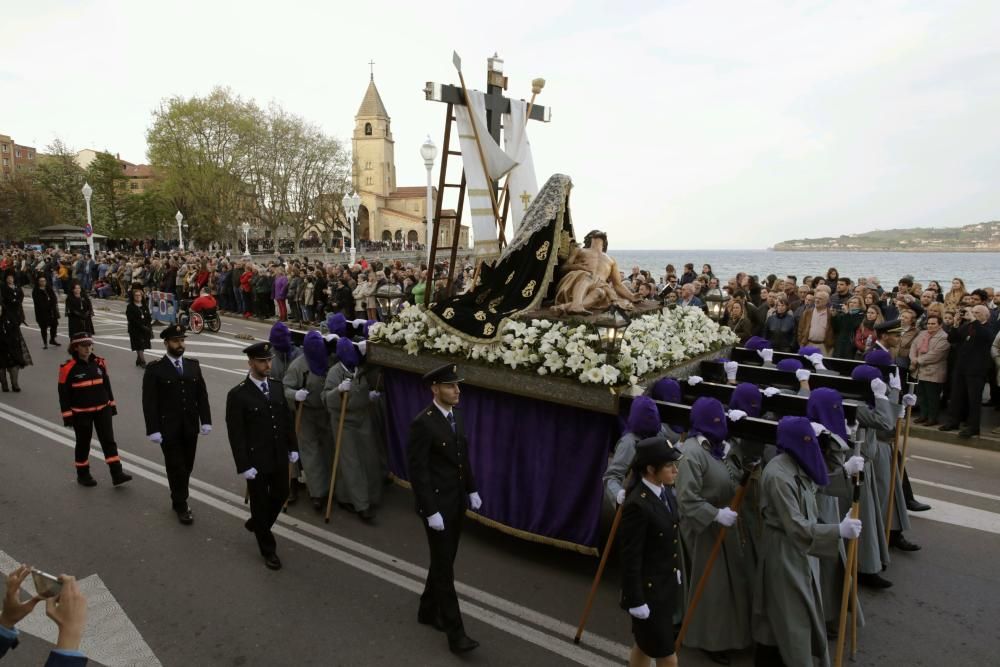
(715, 303)
(388, 297)
(351, 203)
(428, 151)
(180, 234)
(88, 231)
(246, 239)
(611, 327)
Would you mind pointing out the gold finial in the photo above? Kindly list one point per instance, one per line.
(537, 85)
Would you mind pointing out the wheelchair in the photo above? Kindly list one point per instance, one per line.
(198, 322)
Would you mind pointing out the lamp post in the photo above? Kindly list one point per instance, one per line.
(180, 234)
(351, 204)
(429, 152)
(246, 239)
(388, 297)
(89, 229)
(611, 329)
(715, 303)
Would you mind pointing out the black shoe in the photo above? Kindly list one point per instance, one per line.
(272, 562)
(718, 657)
(897, 541)
(84, 478)
(248, 524)
(119, 476)
(463, 644)
(185, 516)
(55, 342)
(869, 580)
(964, 433)
(948, 427)
(17, 389)
(917, 506)
(367, 515)
(433, 621)
(44, 346)
(317, 504)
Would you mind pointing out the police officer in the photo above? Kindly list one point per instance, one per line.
(443, 487)
(262, 437)
(175, 406)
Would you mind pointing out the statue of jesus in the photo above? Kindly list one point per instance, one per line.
(591, 281)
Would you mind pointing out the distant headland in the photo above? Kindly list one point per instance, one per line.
(981, 237)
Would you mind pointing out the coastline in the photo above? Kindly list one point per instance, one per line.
(900, 250)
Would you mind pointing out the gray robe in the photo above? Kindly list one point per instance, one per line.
(621, 461)
(884, 463)
(315, 436)
(787, 603)
(359, 473)
(704, 484)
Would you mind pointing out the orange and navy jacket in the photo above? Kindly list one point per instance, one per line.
(84, 386)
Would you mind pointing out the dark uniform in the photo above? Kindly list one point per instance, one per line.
(441, 479)
(650, 554)
(87, 403)
(262, 437)
(175, 405)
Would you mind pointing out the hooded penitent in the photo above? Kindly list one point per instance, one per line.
(826, 407)
(797, 439)
(878, 357)
(347, 354)
(643, 418)
(708, 419)
(280, 337)
(758, 343)
(789, 365)
(809, 349)
(747, 397)
(866, 373)
(314, 349)
(668, 390)
(337, 324)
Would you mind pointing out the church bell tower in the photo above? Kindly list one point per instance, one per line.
(374, 164)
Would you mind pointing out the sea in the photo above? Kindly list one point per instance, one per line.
(977, 269)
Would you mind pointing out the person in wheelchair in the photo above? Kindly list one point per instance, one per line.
(205, 305)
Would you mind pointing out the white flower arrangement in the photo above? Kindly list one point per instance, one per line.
(651, 343)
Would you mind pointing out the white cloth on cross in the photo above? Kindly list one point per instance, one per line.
(522, 185)
(480, 180)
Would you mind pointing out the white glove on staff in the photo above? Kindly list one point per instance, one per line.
(330, 336)
(909, 400)
(475, 502)
(854, 465)
(293, 457)
(249, 473)
(726, 517)
(206, 429)
(817, 428)
(731, 368)
(850, 528)
(736, 415)
(770, 391)
(358, 322)
(816, 359)
(301, 395)
(155, 437)
(642, 613)
(694, 380)
(894, 381)
(620, 497)
(373, 395)
(362, 346)
(436, 521)
(878, 388)
(344, 386)
(802, 375)
(766, 355)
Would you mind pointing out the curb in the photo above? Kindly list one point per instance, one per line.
(986, 441)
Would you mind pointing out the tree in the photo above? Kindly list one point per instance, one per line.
(110, 183)
(24, 209)
(61, 179)
(148, 213)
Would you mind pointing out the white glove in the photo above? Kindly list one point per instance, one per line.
(358, 322)
(330, 336)
(726, 517)
(731, 368)
(854, 465)
(293, 457)
(249, 473)
(362, 346)
(695, 380)
(766, 355)
(436, 521)
(642, 613)
(206, 429)
(301, 395)
(816, 359)
(373, 395)
(878, 388)
(894, 381)
(475, 502)
(678, 577)
(802, 375)
(770, 391)
(155, 437)
(620, 498)
(850, 528)
(736, 415)
(909, 400)
(344, 386)
(817, 428)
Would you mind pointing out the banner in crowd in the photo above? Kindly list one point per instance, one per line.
(162, 307)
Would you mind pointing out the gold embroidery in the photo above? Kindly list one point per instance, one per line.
(448, 313)
(509, 278)
(494, 303)
(543, 251)
(529, 289)
(488, 329)
(480, 315)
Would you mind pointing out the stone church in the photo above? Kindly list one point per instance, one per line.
(389, 212)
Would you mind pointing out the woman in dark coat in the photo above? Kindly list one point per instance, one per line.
(651, 567)
(80, 311)
(14, 353)
(140, 325)
(46, 310)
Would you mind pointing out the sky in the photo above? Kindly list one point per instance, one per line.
(682, 124)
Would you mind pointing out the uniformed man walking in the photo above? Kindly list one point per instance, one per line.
(262, 437)
(443, 487)
(175, 406)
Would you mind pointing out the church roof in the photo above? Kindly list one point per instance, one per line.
(372, 104)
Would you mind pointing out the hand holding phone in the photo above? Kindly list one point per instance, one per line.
(13, 609)
(46, 585)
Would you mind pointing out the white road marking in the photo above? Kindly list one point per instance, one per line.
(956, 489)
(190, 340)
(947, 463)
(960, 515)
(217, 498)
(110, 637)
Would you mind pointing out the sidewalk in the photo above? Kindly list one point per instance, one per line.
(989, 420)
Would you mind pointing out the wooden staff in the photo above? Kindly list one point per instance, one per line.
(892, 477)
(600, 573)
(336, 455)
(849, 580)
(854, 607)
(716, 548)
(291, 466)
(536, 87)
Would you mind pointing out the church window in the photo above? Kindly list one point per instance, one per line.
(368, 165)
(368, 129)
(368, 180)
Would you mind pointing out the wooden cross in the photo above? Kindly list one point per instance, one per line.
(525, 198)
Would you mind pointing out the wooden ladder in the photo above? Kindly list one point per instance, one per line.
(438, 206)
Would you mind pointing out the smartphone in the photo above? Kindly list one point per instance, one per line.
(46, 585)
